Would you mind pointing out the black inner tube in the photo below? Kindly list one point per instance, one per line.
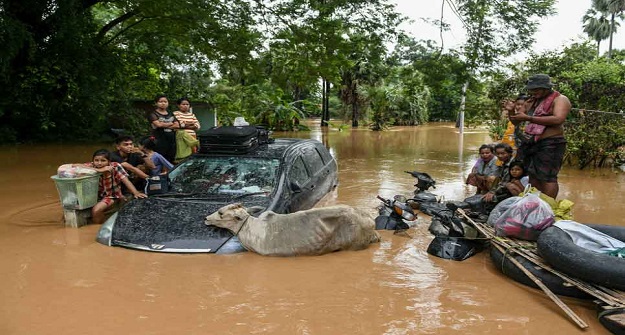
(556, 284)
(559, 250)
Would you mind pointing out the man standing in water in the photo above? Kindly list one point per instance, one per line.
(542, 139)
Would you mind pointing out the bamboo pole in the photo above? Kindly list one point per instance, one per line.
(580, 323)
(593, 290)
(609, 296)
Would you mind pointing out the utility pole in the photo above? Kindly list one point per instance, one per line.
(463, 100)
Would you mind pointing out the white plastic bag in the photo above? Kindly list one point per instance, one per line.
(525, 219)
(240, 121)
(501, 208)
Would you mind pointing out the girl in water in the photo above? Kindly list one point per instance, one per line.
(516, 184)
(109, 188)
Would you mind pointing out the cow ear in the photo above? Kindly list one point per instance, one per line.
(238, 205)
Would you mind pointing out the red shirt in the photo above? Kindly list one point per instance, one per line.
(110, 183)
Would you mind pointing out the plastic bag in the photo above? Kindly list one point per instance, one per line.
(561, 208)
(501, 208)
(240, 121)
(525, 219)
(71, 171)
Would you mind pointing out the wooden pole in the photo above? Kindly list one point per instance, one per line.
(580, 323)
(593, 290)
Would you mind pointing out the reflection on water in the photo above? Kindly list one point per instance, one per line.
(56, 280)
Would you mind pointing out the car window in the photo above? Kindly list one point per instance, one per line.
(325, 155)
(314, 160)
(298, 173)
(225, 175)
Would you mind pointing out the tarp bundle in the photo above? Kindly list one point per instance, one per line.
(591, 239)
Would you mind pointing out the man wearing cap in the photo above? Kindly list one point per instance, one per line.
(542, 139)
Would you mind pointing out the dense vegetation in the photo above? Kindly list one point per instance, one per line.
(73, 69)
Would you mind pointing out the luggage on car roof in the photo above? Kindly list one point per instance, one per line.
(233, 139)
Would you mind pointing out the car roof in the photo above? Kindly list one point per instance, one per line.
(276, 149)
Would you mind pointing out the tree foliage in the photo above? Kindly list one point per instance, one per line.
(498, 29)
(71, 69)
(595, 129)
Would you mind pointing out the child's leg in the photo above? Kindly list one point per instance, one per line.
(97, 212)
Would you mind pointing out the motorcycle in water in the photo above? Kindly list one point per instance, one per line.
(424, 183)
(428, 202)
(455, 244)
(452, 238)
(395, 214)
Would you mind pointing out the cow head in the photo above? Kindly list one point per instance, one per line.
(230, 217)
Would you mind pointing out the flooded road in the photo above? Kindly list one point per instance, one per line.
(56, 280)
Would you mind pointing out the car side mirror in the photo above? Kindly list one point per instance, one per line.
(295, 187)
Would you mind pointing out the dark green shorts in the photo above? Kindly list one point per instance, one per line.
(543, 159)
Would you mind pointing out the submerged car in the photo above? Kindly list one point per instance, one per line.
(284, 176)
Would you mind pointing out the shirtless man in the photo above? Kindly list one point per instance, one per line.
(543, 143)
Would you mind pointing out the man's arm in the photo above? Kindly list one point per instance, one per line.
(134, 170)
(148, 162)
(138, 157)
(132, 189)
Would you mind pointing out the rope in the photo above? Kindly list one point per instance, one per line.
(581, 110)
(243, 224)
(235, 234)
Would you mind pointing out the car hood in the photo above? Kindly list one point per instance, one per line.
(174, 225)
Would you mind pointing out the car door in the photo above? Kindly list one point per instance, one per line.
(320, 172)
(299, 184)
(326, 174)
(315, 166)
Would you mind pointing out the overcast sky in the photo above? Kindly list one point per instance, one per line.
(558, 30)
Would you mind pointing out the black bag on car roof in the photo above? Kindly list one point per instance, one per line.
(232, 139)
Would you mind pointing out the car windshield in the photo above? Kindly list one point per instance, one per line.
(225, 175)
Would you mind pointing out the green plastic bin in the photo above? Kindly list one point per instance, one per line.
(77, 193)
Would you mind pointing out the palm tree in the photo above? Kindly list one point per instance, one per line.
(597, 26)
(615, 9)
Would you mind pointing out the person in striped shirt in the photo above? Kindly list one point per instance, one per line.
(187, 119)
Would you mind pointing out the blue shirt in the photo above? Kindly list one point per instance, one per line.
(160, 162)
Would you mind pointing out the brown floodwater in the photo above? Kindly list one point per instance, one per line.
(56, 280)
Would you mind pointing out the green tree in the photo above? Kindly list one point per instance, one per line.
(497, 29)
(613, 8)
(443, 74)
(597, 26)
(68, 61)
